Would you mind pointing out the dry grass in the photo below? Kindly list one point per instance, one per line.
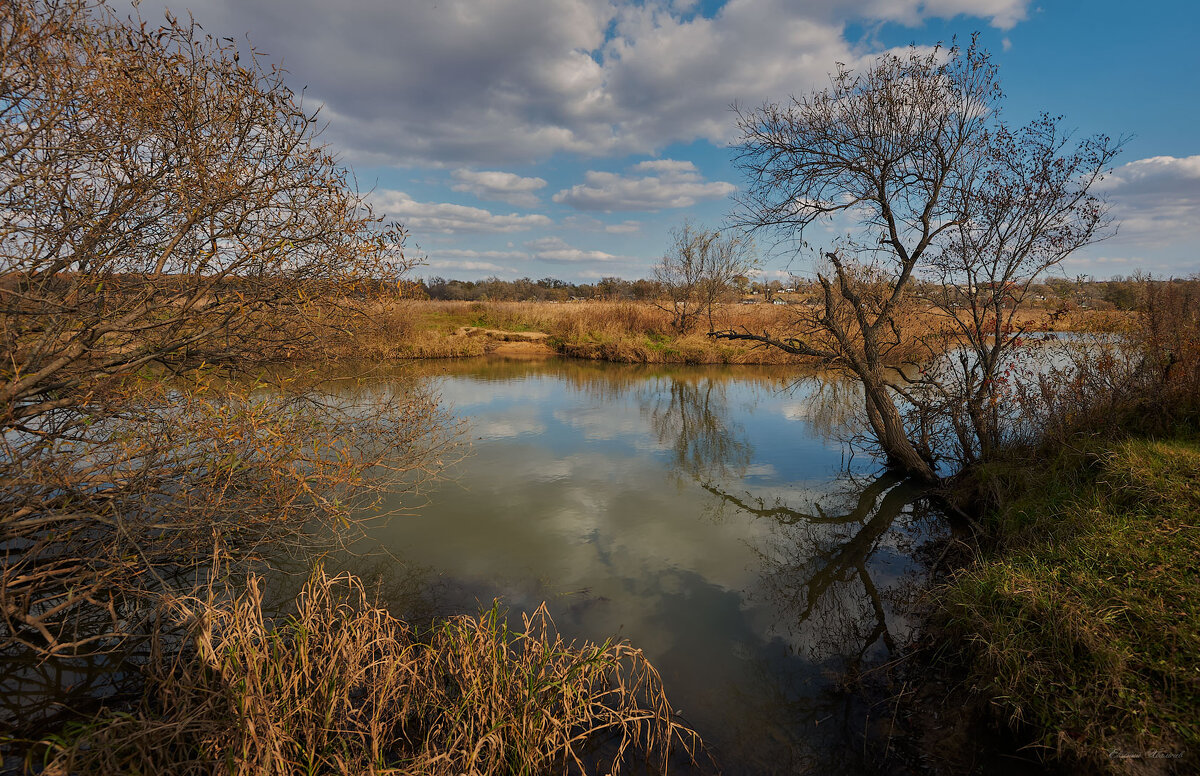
(388, 330)
(628, 332)
(340, 686)
(633, 332)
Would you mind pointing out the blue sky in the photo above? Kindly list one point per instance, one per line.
(566, 138)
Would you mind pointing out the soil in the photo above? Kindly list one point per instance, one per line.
(522, 350)
(511, 344)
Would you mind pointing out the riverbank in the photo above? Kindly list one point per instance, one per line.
(1075, 628)
(620, 332)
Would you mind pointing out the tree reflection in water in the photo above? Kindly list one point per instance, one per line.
(834, 573)
(691, 418)
(818, 569)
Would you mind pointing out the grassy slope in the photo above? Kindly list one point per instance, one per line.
(624, 332)
(1083, 620)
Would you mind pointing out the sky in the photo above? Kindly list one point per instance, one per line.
(567, 138)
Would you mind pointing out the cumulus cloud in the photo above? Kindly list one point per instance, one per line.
(1002, 14)
(448, 218)
(555, 249)
(1156, 176)
(666, 167)
(503, 186)
(458, 82)
(1156, 201)
(655, 185)
(552, 250)
(474, 261)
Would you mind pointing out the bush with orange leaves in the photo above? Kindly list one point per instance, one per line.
(165, 206)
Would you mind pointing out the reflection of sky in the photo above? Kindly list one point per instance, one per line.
(570, 494)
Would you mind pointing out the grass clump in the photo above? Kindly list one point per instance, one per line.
(1083, 619)
(340, 686)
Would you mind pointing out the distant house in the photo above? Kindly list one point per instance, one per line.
(777, 300)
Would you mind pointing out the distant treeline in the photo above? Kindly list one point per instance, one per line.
(494, 289)
(526, 289)
(1119, 292)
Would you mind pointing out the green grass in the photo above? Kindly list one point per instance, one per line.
(1083, 619)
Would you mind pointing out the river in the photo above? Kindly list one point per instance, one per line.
(712, 516)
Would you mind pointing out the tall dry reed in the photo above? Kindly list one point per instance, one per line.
(340, 686)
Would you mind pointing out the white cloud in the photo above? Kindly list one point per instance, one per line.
(766, 275)
(503, 186)
(1002, 14)
(1156, 175)
(676, 184)
(471, 266)
(1156, 200)
(555, 249)
(448, 218)
(666, 166)
(596, 274)
(1109, 261)
(474, 261)
(462, 82)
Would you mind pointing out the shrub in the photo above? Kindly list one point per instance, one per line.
(341, 686)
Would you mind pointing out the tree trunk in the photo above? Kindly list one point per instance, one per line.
(889, 432)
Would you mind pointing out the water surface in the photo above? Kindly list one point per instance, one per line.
(709, 515)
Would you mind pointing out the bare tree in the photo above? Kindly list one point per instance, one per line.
(1026, 208)
(701, 268)
(907, 152)
(164, 205)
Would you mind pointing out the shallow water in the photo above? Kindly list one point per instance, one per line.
(709, 515)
